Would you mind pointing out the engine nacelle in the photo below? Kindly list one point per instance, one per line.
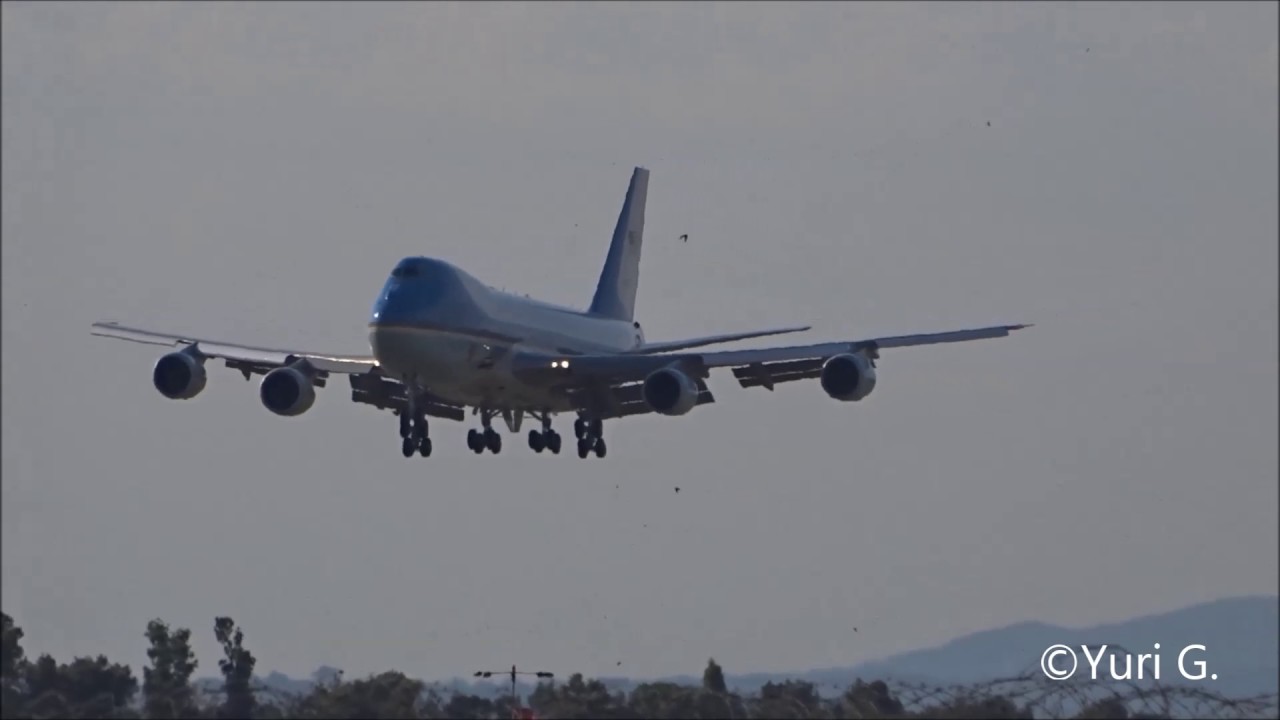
(670, 392)
(179, 375)
(848, 377)
(287, 391)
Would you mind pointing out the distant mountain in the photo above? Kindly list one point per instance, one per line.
(1241, 636)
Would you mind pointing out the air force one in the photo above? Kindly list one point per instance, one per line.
(443, 341)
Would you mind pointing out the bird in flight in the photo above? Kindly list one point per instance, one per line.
(685, 237)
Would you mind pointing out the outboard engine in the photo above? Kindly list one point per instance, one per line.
(287, 391)
(180, 375)
(848, 377)
(670, 392)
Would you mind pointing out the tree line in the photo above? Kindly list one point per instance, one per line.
(95, 687)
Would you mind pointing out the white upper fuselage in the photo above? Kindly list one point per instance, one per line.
(438, 325)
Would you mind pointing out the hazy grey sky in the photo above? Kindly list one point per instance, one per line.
(252, 172)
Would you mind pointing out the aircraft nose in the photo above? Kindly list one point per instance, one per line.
(389, 305)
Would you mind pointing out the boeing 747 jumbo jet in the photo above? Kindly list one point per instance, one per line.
(443, 342)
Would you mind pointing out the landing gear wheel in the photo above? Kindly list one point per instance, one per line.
(584, 447)
(536, 441)
(552, 439)
(424, 447)
(475, 441)
(493, 441)
(600, 448)
(579, 428)
(407, 446)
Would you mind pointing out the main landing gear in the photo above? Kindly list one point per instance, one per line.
(415, 438)
(590, 437)
(546, 438)
(413, 432)
(486, 438)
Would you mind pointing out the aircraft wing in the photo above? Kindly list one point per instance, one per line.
(245, 358)
(762, 367)
(662, 347)
(368, 384)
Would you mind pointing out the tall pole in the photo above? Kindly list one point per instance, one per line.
(515, 701)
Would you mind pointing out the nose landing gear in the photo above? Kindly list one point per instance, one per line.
(413, 428)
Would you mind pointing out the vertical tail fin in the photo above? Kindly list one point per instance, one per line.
(616, 292)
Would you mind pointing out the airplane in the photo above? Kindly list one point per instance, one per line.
(443, 342)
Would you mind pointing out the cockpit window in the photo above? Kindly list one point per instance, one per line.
(404, 271)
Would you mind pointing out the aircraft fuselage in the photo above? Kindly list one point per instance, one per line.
(436, 324)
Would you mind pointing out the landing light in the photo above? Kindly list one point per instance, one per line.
(560, 364)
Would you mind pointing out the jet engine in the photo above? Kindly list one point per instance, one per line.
(848, 377)
(287, 391)
(179, 375)
(670, 392)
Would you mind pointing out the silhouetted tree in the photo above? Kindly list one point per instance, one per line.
(469, 707)
(237, 670)
(577, 698)
(87, 687)
(662, 699)
(12, 665)
(870, 700)
(166, 684)
(388, 695)
(789, 699)
(713, 677)
(431, 704)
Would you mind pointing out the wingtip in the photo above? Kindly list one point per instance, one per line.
(1021, 326)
